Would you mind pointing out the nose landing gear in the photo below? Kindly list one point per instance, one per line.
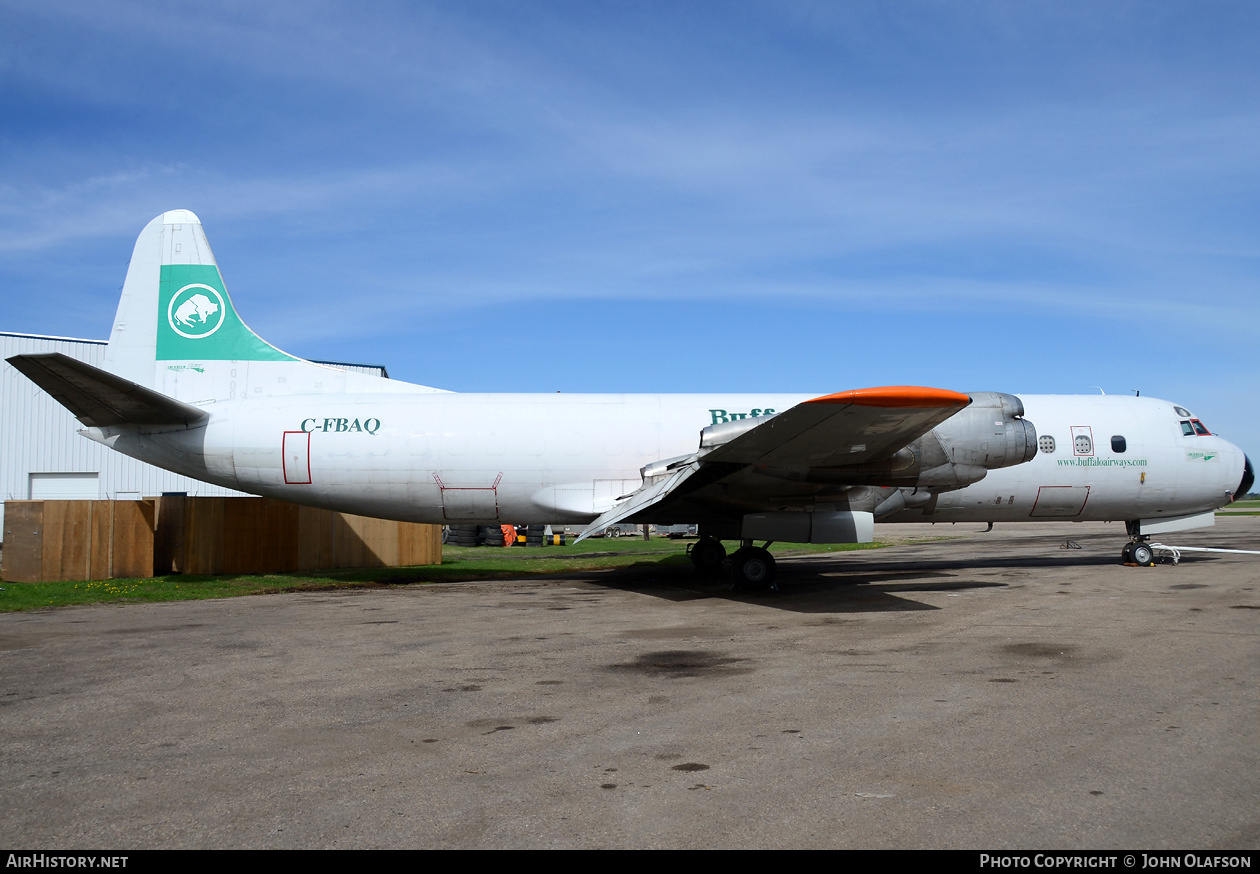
(1137, 553)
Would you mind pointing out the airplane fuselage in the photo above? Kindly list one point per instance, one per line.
(450, 457)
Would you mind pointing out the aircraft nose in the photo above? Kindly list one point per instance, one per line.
(1248, 479)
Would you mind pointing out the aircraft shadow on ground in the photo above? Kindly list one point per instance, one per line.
(1065, 558)
(799, 589)
(844, 585)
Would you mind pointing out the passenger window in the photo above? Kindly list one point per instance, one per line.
(1186, 430)
(1200, 429)
(1118, 444)
(1046, 443)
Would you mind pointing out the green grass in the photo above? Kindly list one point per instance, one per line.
(458, 564)
(1255, 505)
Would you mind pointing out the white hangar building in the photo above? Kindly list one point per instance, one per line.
(42, 455)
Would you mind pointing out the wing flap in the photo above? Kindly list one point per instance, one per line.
(652, 493)
(100, 399)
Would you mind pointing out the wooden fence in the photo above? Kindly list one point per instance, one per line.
(91, 540)
(77, 540)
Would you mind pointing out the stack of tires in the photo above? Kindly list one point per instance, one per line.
(534, 535)
(476, 535)
(462, 535)
(490, 535)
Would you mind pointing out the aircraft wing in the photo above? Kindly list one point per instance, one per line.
(98, 398)
(852, 427)
(847, 428)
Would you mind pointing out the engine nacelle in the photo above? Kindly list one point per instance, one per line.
(990, 433)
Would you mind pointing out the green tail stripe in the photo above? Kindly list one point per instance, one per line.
(196, 321)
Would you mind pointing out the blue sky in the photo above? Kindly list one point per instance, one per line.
(684, 196)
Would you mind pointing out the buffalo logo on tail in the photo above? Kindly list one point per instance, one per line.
(195, 311)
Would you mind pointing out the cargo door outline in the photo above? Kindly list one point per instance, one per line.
(470, 503)
(1061, 501)
(297, 458)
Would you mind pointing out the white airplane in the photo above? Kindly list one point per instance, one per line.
(190, 388)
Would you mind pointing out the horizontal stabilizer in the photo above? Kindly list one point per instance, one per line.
(98, 398)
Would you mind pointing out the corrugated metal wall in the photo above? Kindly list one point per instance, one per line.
(38, 435)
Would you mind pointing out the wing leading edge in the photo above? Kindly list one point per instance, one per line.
(842, 429)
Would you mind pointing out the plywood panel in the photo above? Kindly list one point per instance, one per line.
(349, 550)
(54, 536)
(283, 528)
(168, 533)
(316, 546)
(132, 544)
(101, 562)
(67, 540)
(23, 541)
(260, 535)
(245, 545)
(77, 547)
(378, 540)
(203, 536)
(419, 544)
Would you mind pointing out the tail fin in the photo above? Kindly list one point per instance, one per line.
(177, 332)
(175, 308)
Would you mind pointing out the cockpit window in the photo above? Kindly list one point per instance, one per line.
(1193, 427)
(1187, 430)
(1199, 428)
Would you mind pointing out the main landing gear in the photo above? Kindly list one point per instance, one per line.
(707, 555)
(752, 567)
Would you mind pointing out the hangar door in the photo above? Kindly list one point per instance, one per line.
(64, 486)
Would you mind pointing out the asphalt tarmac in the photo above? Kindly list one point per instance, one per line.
(992, 692)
